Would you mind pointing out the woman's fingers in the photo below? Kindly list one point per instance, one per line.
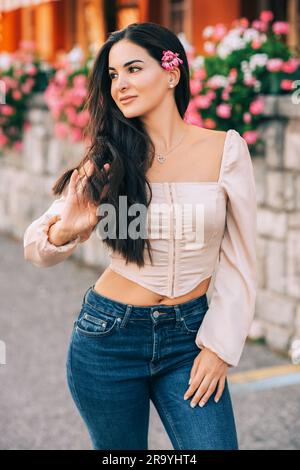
(221, 387)
(79, 178)
(203, 394)
(73, 182)
(87, 169)
(52, 220)
(81, 183)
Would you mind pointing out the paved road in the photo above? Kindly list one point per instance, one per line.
(38, 307)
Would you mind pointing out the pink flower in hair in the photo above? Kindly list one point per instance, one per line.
(170, 60)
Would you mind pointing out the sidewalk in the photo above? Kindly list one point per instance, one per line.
(38, 306)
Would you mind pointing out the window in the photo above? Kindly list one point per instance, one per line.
(180, 17)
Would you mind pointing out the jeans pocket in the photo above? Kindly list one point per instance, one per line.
(191, 321)
(96, 323)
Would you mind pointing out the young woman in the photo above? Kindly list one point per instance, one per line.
(145, 330)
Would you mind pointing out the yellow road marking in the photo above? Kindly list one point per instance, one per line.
(262, 373)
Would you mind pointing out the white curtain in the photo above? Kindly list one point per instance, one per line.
(7, 5)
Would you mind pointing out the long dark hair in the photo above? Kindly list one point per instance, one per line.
(121, 142)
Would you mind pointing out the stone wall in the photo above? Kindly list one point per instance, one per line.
(26, 179)
(278, 237)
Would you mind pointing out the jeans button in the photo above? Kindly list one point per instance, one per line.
(156, 313)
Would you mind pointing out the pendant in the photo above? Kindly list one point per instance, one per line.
(161, 158)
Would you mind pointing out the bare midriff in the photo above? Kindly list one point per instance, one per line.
(117, 287)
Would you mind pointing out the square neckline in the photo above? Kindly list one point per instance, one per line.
(201, 182)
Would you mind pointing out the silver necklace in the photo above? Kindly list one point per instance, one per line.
(161, 158)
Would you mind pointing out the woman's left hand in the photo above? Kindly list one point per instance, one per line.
(208, 370)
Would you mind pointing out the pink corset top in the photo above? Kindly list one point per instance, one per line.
(186, 221)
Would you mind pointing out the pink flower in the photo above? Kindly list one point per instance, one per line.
(226, 93)
(260, 26)
(287, 85)
(200, 74)
(233, 72)
(61, 78)
(211, 94)
(195, 86)
(32, 70)
(290, 66)
(274, 65)
(232, 76)
(250, 136)
(202, 101)
(219, 31)
(61, 130)
(249, 81)
(256, 43)
(56, 113)
(266, 16)
(17, 95)
(30, 82)
(10, 83)
(170, 60)
(209, 123)
(209, 47)
(244, 22)
(71, 113)
(193, 118)
(215, 83)
(257, 107)
(76, 134)
(247, 118)
(79, 81)
(27, 86)
(82, 118)
(224, 111)
(76, 96)
(7, 110)
(192, 107)
(280, 27)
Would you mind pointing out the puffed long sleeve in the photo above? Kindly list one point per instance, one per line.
(227, 321)
(37, 248)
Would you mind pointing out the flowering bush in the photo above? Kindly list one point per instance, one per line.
(241, 63)
(66, 97)
(21, 75)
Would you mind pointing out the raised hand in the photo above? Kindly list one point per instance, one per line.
(79, 216)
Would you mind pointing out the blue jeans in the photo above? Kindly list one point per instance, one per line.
(120, 356)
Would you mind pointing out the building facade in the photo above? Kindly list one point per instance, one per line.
(56, 26)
